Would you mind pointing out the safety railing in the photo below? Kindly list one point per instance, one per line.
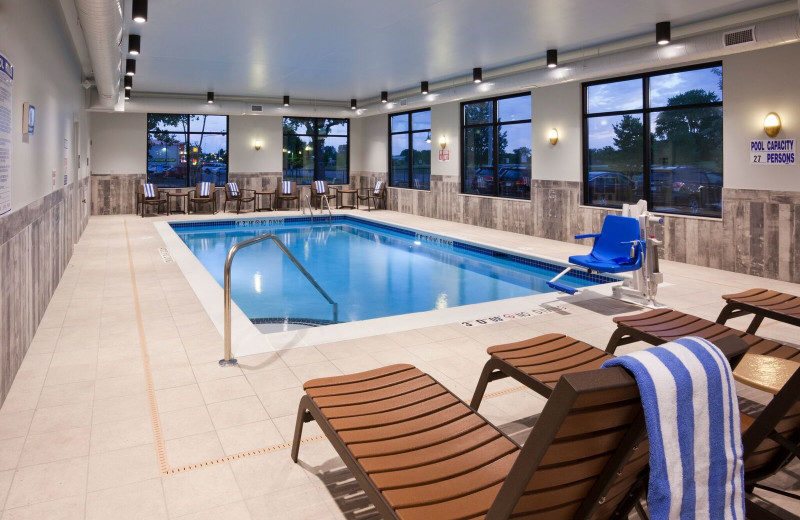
(228, 360)
(308, 203)
(325, 201)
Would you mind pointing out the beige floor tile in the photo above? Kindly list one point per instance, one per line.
(200, 490)
(139, 501)
(282, 402)
(273, 380)
(234, 511)
(173, 377)
(53, 446)
(304, 502)
(70, 393)
(315, 370)
(120, 408)
(118, 435)
(46, 482)
(193, 449)
(301, 356)
(6, 478)
(15, 424)
(248, 437)
(119, 386)
(286, 425)
(185, 422)
(64, 417)
(179, 397)
(70, 508)
(226, 389)
(10, 450)
(236, 412)
(211, 371)
(120, 467)
(268, 473)
(20, 399)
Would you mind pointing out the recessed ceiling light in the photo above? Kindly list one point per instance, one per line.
(128, 82)
(353, 104)
(134, 44)
(286, 101)
(130, 67)
(139, 11)
(210, 98)
(384, 97)
(663, 36)
(552, 59)
(477, 75)
(423, 87)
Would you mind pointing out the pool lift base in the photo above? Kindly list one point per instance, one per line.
(642, 286)
(228, 362)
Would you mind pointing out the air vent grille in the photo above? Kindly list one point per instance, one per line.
(404, 102)
(256, 108)
(739, 37)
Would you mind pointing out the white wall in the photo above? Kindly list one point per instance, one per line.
(445, 121)
(559, 107)
(374, 149)
(33, 36)
(754, 84)
(244, 130)
(119, 143)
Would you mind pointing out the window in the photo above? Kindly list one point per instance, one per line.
(656, 137)
(316, 149)
(410, 150)
(184, 149)
(496, 147)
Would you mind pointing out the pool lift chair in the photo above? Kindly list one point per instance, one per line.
(625, 244)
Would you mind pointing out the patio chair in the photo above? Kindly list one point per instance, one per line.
(234, 194)
(663, 325)
(148, 194)
(375, 195)
(319, 189)
(287, 192)
(419, 452)
(203, 193)
(762, 303)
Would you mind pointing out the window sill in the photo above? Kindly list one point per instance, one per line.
(659, 213)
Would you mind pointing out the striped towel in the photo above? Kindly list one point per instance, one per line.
(233, 188)
(378, 186)
(149, 191)
(205, 189)
(286, 187)
(692, 417)
(321, 189)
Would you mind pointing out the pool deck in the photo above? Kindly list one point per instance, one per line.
(120, 409)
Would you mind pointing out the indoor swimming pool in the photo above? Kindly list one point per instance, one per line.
(369, 269)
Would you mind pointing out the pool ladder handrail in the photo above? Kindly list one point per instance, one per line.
(228, 360)
(308, 203)
(310, 210)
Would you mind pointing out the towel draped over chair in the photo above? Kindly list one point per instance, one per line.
(205, 189)
(149, 190)
(286, 187)
(233, 188)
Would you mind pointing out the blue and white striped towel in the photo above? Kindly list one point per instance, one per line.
(149, 191)
(693, 423)
(378, 186)
(205, 189)
(287, 188)
(320, 185)
(233, 188)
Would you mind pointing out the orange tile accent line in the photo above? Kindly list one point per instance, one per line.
(503, 392)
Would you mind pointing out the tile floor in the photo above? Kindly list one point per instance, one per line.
(121, 411)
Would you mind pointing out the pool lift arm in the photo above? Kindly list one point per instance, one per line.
(641, 287)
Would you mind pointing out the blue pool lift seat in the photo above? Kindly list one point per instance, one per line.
(618, 248)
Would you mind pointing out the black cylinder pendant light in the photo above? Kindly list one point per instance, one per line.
(353, 104)
(663, 31)
(384, 97)
(210, 98)
(552, 59)
(423, 88)
(286, 101)
(477, 75)
(139, 11)
(130, 67)
(134, 44)
(128, 82)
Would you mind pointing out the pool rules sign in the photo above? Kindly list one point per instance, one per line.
(773, 152)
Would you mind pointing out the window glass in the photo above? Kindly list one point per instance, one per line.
(334, 159)
(400, 123)
(333, 127)
(410, 150)
(478, 161)
(166, 159)
(615, 160)
(183, 149)
(421, 157)
(481, 112)
(517, 108)
(421, 120)
(400, 160)
(298, 158)
(167, 123)
(686, 88)
(615, 96)
(514, 166)
(315, 149)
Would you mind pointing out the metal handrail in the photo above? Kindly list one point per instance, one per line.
(330, 213)
(310, 210)
(227, 360)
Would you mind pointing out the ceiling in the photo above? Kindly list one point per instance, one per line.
(336, 50)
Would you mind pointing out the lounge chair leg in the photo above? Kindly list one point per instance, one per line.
(614, 342)
(477, 397)
(303, 416)
(725, 314)
(755, 324)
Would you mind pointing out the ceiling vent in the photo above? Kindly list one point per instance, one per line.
(739, 37)
(404, 102)
(256, 108)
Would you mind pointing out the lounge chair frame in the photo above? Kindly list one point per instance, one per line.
(142, 202)
(316, 197)
(371, 196)
(281, 197)
(195, 198)
(762, 303)
(239, 199)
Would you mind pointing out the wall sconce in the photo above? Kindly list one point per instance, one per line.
(258, 144)
(553, 136)
(772, 124)
(443, 142)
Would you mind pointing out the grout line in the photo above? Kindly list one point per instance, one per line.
(503, 392)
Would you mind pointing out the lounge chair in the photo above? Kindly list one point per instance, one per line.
(763, 303)
(149, 195)
(239, 196)
(375, 195)
(663, 325)
(419, 452)
(203, 193)
(320, 190)
(287, 192)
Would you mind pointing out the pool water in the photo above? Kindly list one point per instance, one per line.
(371, 270)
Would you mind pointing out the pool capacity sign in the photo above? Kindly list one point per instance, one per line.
(774, 152)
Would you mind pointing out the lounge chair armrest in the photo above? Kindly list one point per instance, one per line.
(589, 235)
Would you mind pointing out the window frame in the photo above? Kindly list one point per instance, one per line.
(495, 125)
(186, 135)
(410, 133)
(645, 112)
(317, 147)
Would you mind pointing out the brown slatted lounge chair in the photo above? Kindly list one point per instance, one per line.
(320, 190)
(200, 196)
(155, 198)
(420, 453)
(375, 195)
(663, 325)
(772, 439)
(287, 192)
(238, 195)
(763, 303)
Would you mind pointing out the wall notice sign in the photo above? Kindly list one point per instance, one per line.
(444, 155)
(6, 83)
(773, 152)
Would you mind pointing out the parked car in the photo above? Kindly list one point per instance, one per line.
(611, 188)
(687, 188)
(214, 168)
(515, 181)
